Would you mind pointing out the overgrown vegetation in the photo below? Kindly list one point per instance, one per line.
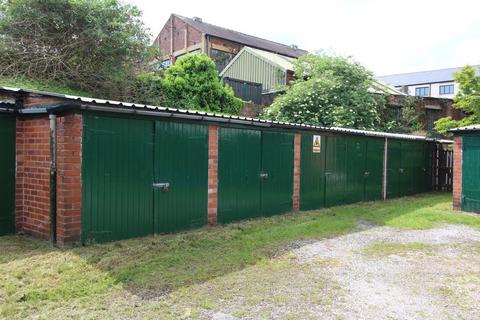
(406, 119)
(193, 83)
(38, 280)
(467, 99)
(329, 91)
(95, 46)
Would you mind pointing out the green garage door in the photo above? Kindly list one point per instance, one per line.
(335, 171)
(126, 165)
(239, 162)
(277, 172)
(7, 174)
(355, 157)
(312, 174)
(394, 169)
(181, 176)
(471, 174)
(117, 178)
(374, 169)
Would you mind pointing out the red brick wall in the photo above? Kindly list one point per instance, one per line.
(69, 178)
(296, 172)
(179, 27)
(457, 173)
(32, 194)
(212, 174)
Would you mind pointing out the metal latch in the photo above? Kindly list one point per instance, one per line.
(401, 170)
(366, 174)
(264, 175)
(163, 185)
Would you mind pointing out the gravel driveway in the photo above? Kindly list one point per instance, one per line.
(375, 273)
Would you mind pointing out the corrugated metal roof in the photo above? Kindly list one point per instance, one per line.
(421, 77)
(243, 38)
(286, 64)
(382, 88)
(113, 106)
(474, 127)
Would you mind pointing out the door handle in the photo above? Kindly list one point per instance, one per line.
(163, 185)
(264, 175)
(327, 173)
(401, 170)
(367, 173)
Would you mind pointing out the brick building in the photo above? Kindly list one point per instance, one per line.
(181, 35)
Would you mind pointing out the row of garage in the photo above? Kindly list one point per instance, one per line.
(143, 176)
(150, 171)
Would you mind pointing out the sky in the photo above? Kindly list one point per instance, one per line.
(385, 36)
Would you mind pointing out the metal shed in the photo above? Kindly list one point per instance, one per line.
(121, 170)
(259, 66)
(466, 168)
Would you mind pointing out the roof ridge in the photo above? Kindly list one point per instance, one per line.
(249, 35)
(397, 74)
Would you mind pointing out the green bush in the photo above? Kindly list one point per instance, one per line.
(193, 83)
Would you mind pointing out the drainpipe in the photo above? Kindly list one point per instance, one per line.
(53, 178)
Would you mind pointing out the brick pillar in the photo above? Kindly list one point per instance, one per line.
(457, 172)
(32, 186)
(212, 174)
(69, 178)
(296, 172)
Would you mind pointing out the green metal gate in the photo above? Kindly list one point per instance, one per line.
(125, 162)
(181, 176)
(471, 174)
(239, 161)
(277, 172)
(7, 174)
(312, 174)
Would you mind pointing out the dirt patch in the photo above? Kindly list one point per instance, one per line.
(386, 273)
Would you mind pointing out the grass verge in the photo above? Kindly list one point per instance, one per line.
(35, 277)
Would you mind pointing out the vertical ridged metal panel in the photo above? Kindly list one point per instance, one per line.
(471, 173)
(374, 169)
(312, 174)
(277, 162)
(250, 67)
(7, 174)
(428, 156)
(181, 159)
(355, 158)
(239, 162)
(394, 169)
(117, 178)
(409, 168)
(335, 171)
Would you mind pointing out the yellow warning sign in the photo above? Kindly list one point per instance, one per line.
(317, 144)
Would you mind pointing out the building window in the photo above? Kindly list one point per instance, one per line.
(446, 89)
(422, 91)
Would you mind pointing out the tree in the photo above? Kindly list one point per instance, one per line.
(193, 83)
(93, 45)
(466, 99)
(330, 91)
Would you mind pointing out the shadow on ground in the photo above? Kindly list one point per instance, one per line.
(150, 267)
